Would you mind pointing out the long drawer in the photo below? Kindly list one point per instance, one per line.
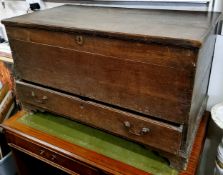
(161, 135)
(152, 79)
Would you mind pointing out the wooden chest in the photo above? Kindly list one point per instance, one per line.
(140, 74)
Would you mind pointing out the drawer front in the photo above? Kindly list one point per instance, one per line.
(144, 130)
(66, 164)
(146, 88)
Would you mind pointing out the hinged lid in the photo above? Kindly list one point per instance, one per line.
(185, 28)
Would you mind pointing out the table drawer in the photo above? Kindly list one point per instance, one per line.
(56, 159)
(166, 137)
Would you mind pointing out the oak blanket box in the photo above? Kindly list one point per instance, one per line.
(139, 74)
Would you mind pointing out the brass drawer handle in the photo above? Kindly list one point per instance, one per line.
(79, 40)
(53, 157)
(41, 152)
(36, 99)
(143, 131)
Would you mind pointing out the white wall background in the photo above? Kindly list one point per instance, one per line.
(15, 8)
(215, 90)
(216, 80)
(218, 5)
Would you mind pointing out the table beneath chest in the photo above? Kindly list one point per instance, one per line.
(68, 147)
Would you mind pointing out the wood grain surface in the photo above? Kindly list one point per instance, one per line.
(161, 135)
(147, 63)
(150, 89)
(162, 26)
(154, 54)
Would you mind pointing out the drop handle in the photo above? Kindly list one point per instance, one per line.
(53, 157)
(41, 152)
(130, 129)
(39, 100)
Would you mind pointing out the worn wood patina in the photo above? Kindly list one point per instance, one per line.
(137, 73)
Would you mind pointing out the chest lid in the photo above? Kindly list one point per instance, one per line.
(183, 28)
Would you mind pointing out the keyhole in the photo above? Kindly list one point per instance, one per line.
(79, 40)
